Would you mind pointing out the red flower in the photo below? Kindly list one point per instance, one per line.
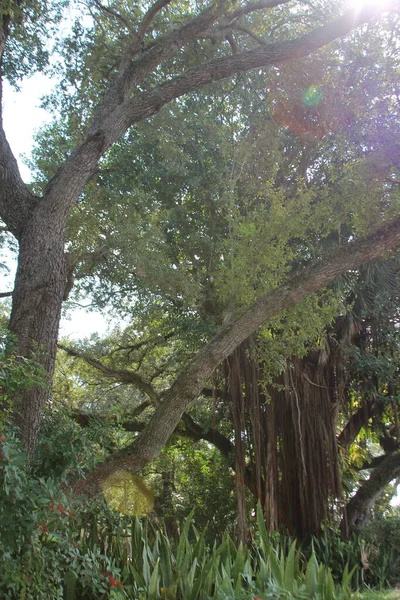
(112, 581)
(60, 508)
(51, 506)
(2, 439)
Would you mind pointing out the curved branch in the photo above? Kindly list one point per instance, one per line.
(110, 12)
(356, 422)
(254, 6)
(145, 105)
(356, 511)
(149, 16)
(190, 383)
(122, 105)
(124, 376)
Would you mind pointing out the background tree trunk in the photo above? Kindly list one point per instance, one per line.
(356, 511)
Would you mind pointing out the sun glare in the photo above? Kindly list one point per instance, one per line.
(360, 4)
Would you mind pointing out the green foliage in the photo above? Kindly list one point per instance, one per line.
(198, 479)
(67, 451)
(383, 545)
(51, 548)
(41, 552)
(373, 552)
(17, 373)
(31, 26)
(154, 567)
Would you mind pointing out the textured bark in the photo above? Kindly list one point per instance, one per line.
(40, 225)
(36, 311)
(355, 424)
(189, 384)
(356, 511)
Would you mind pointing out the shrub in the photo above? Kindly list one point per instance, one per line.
(41, 551)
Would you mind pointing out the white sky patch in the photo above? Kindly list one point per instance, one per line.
(23, 116)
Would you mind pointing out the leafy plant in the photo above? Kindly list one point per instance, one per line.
(41, 553)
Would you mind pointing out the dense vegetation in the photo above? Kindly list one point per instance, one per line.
(232, 196)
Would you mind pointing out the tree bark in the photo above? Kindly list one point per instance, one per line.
(36, 311)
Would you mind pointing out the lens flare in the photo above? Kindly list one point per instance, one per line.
(129, 494)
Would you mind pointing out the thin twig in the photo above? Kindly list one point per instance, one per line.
(113, 13)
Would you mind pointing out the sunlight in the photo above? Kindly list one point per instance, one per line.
(360, 4)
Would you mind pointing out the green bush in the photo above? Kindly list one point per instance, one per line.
(154, 567)
(382, 543)
(42, 555)
(376, 545)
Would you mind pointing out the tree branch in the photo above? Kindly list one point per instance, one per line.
(147, 104)
(6, 294)
(254, 6)
(149, 16)
(123, 105)
(356, 512)
(121, 375)
(352, 428)
(189, 384)
(149, 342)
(110, 12)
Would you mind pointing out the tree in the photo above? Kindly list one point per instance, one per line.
(286, 434)
(134, 89)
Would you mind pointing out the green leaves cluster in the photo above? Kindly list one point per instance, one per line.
(17, 373)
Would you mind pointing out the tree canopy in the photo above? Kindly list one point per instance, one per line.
(212, 169)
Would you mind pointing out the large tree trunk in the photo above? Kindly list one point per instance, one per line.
(36, 311)
(306, 407)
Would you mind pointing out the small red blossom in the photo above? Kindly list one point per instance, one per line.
(51, 506)
(60, 508)
(112, 581)
(2, 438)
